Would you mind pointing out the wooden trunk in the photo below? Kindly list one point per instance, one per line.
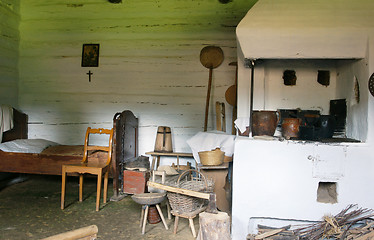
(134, 182)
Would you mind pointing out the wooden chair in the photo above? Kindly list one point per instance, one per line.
(92, 167)
(182, 167)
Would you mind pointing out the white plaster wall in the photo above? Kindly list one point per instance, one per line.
(276, 179)
(306, 94)
(318, 41)
(9, 41)
(270, 93)
(306, 29)
(370, 58)
(357, 111)
(244, 85)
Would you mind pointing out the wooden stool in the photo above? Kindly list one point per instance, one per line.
(190, 216)
(147, 199)
(150, 189)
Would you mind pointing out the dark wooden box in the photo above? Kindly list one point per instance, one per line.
(135, 182)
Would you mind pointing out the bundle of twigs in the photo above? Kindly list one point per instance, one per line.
(334, 226)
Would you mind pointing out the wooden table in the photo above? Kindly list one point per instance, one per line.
(219, 175)
(158, 155)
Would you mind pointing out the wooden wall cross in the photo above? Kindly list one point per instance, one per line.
(89, 75)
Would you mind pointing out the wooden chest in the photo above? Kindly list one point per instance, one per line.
(135, 182)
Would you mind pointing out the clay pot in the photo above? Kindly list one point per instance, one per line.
(290, 127)
(264, 123)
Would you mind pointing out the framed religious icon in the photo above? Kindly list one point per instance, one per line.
(90, 55)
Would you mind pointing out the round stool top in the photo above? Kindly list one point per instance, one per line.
(148, 198)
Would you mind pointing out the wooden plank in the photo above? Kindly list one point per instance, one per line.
(369, 235)
(224, 165)
(35, 163)
(179, 190)
(170, 154)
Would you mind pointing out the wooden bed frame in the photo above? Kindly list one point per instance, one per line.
(125, 126)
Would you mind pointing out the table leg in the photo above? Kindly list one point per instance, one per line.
(158, 162)
(153, 163)
(178, 163)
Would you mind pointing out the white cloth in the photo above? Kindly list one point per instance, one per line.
(242, 124)
(6, 119)
(207, 141)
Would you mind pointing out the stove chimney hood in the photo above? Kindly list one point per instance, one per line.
(305, 29)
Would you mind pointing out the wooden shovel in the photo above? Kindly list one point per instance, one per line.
(210, 57)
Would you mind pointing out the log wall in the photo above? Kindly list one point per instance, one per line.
(9, 41)
(149, 63)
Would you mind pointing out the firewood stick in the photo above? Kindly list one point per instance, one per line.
(268, 234)
(366, 236)
(76, 234)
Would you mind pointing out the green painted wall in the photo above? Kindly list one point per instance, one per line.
(149, 63)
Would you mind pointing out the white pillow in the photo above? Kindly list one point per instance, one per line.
(26, 145)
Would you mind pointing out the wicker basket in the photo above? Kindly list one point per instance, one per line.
(186, 204)
(212, 158)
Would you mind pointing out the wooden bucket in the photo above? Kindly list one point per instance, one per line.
(163, 140)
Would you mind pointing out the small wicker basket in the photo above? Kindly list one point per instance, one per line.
(212, 158)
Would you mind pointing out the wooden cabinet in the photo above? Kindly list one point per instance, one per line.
(221, 185)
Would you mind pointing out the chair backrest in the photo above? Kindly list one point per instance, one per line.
(88, 147)
(163, 176)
